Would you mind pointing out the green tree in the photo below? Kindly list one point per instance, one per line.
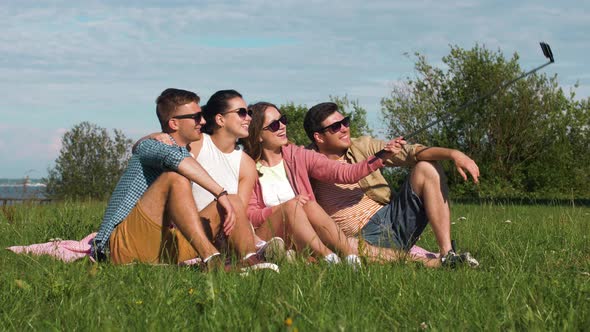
(358, 115)
(522, 138)
(296, 114)
(90, 163)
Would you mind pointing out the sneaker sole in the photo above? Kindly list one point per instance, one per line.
(260, 266)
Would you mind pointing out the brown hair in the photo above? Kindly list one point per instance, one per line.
(169, 100)
(252, 144)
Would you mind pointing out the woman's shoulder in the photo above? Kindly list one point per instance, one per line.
(300, 153)
(247, 160)
(292, 150)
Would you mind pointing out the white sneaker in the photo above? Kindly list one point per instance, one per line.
(353, 261)
(467, 258)
(273, 250)
(290, 256)
(332, 259)
(453, 260)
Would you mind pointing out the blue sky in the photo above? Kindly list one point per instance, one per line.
(64, 62)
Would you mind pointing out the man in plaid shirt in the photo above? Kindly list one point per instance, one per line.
(152, 217)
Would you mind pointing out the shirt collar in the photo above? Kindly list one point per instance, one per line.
(173, 140)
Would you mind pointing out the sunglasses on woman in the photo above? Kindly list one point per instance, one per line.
(336, 126)
(276, 124)
(242, 112)
(195, 116)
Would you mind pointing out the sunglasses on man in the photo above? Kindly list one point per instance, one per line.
(195, 116)
(336, 126)
(276, 124)
(242, 112)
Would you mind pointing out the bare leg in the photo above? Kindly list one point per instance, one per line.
(428, 182)
(242, 237)
(327, 229)
(376, 254)
(382, 255)
(290, 222)
(171, 195)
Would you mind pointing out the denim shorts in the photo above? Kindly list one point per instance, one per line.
(399, 223)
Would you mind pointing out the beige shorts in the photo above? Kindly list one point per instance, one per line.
(139, 239)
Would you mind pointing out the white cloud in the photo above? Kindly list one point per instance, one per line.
(106, 61)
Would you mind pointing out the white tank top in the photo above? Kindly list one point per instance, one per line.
(275, 185)
(224, 168)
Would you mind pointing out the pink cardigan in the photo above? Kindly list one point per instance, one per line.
(302, 164)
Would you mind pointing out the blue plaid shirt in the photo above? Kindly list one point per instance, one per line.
(149, 160)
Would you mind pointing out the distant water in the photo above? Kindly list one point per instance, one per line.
(15, 188)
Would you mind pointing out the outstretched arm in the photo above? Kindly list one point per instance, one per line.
(327, 170)
(462, 162)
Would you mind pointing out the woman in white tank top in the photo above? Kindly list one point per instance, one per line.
(227, 120)
(223, 167)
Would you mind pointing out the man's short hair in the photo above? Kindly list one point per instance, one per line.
(169, 100)
(314, 117)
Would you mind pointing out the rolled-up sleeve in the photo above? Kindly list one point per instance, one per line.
(159, 155)
(405, 158)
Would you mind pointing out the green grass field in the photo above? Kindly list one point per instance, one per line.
(534, 275)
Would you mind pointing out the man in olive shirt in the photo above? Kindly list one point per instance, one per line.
(368, 209)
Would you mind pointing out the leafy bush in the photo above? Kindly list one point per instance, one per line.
(528, 139)
(90, 163)
(296, 114)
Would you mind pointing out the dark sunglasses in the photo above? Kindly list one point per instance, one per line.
(276, 124)
(195, 116)
(336, 126)
(242, 112)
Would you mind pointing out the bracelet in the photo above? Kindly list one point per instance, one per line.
(223, 193)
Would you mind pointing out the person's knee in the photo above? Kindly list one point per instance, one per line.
(292, 212)
(239, 210)
(428, 170)
(175, 179)
(291, 206)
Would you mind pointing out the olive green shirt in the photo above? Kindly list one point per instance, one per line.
(374, 184)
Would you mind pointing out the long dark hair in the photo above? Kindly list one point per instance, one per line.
(217, 104)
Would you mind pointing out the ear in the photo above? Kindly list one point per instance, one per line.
(173, 124)
(318, 138)
(220, 120)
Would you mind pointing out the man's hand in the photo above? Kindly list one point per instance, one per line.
(161, 137)
(392, 148)
(227, 210)
(464, 163)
